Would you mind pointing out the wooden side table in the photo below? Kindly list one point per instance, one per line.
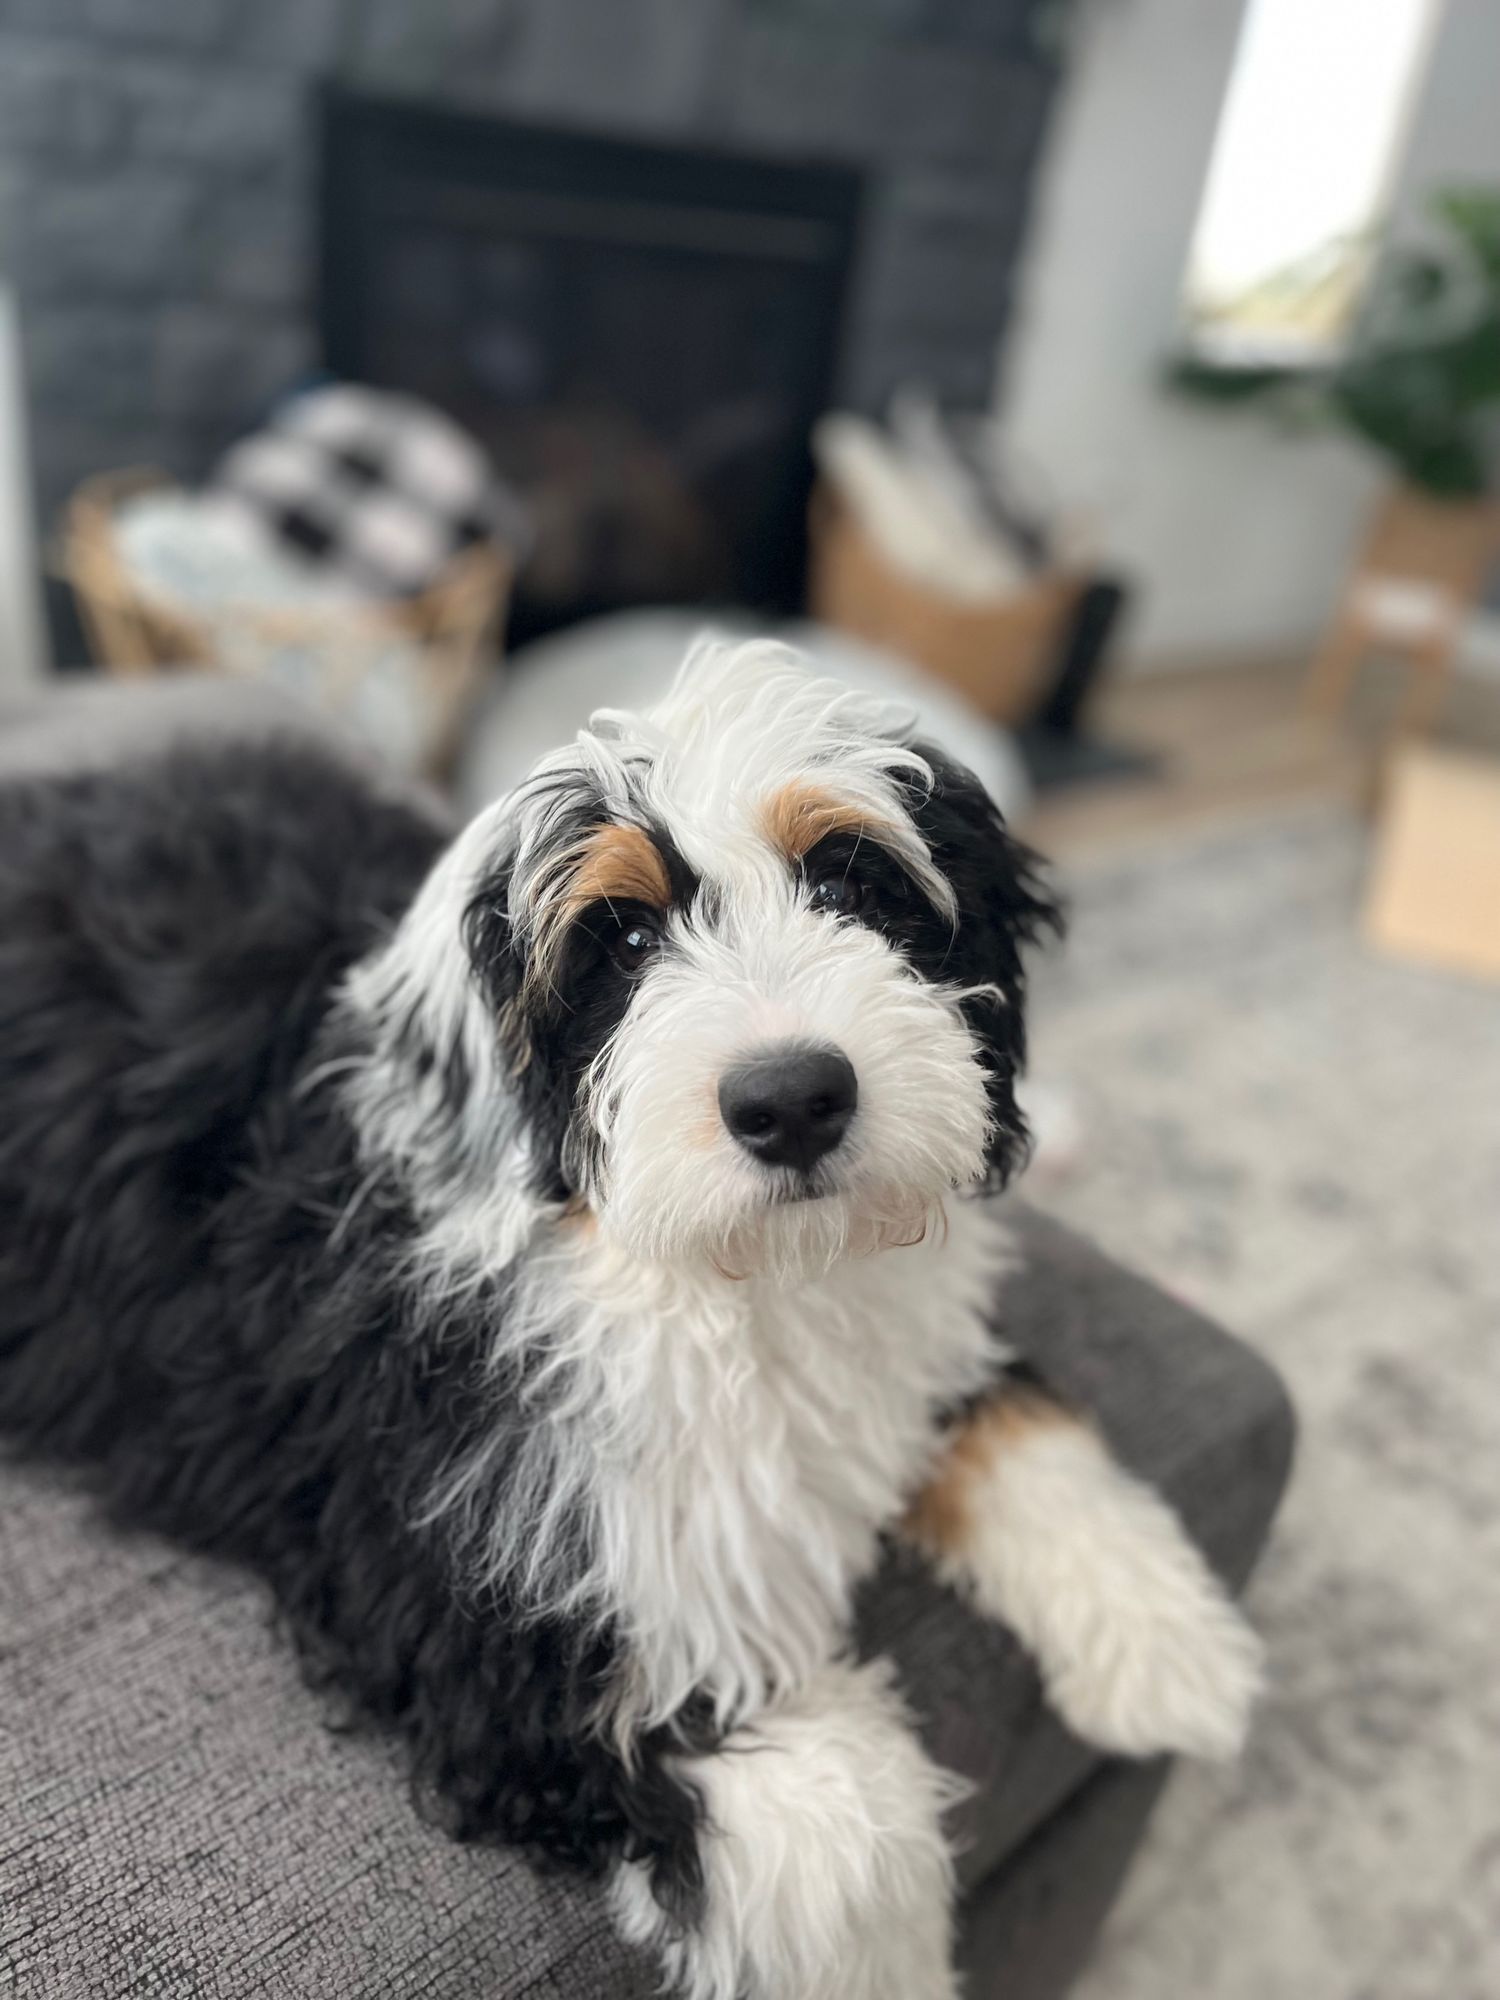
(1414, 587)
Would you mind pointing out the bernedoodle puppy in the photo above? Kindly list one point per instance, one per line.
(557, 1262)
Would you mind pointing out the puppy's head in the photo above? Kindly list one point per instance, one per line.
(742, 975)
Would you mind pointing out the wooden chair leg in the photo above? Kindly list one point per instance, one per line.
(1427, 681)
(1331, 677)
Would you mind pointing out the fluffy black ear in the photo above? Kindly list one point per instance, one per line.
(1004, 905)
(539, 1033)
(490, 943)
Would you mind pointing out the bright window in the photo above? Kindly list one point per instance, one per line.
(1308, 144)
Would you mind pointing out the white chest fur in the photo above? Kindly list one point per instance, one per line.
(749, 1443)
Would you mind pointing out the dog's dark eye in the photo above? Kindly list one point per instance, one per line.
(839, 893)
(634, 943)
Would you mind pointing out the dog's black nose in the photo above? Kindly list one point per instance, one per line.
(789, 1106)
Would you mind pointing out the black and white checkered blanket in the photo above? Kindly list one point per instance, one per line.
(375, 490)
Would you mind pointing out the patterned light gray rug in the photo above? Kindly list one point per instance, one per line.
(1305, 1140)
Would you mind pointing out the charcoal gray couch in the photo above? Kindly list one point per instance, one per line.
(178, 1819)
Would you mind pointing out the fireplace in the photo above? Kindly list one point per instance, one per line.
(641, 335)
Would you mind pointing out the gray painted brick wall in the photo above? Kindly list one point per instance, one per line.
(156, 167)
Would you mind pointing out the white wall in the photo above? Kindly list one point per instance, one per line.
(1456, 134)
(1238, 535)
(21, 647)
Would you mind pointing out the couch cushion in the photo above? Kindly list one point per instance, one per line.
(86, 723)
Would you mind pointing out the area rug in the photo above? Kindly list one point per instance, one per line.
(1304, 1139)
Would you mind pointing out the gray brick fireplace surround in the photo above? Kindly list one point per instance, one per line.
(157, 160)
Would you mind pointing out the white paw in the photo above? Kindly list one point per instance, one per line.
(826, 1875)
(1172, 1670)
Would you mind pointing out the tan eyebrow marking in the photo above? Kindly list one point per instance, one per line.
(798, 815)
(619, 864)
(613, 864)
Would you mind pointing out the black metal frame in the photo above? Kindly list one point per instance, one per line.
(731, 203)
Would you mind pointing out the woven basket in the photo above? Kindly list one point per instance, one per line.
(132, 631)
(996, 653)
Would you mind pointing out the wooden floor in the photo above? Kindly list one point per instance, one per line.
(1232, 743)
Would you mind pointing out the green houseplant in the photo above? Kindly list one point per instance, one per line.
(1420, 383)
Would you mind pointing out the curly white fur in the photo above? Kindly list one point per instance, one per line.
(827, 1876)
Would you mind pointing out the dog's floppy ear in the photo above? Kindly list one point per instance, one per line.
(1000, 885)
(539, 1084)
(491, 944)
(1003, 905)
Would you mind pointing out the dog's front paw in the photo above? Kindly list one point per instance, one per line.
(1176, 1669)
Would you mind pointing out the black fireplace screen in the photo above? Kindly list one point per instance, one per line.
(642, 337)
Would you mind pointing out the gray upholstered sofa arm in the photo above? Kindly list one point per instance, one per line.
(1183, 1404)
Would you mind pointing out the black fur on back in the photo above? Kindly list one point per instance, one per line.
(203, 1296)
